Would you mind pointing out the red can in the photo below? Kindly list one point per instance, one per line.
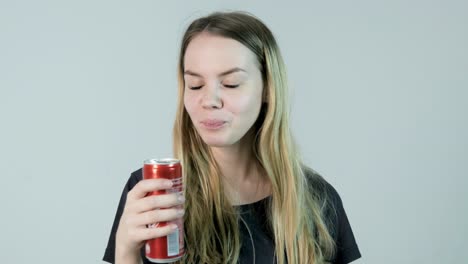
(171, 247)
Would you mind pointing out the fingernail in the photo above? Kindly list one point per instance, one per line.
(181, 198)
(180, 212)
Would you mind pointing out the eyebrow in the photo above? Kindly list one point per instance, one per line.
(233, 70)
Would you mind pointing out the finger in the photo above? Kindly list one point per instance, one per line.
(150, 233)
(156, 216)
(145, 186)
(157, 201)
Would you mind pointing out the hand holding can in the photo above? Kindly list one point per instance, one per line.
(143, 210)
(168, 248)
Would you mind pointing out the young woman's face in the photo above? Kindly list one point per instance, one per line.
(223, 89)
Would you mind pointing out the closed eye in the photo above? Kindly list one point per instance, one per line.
(226, 85)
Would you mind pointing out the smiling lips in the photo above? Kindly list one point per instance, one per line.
(213, 124)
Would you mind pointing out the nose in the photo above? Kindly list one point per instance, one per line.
(212, 97)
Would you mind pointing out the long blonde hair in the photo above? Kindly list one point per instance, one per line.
(296, 210)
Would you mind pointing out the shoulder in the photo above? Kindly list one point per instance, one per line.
(137, 175)
(134, 178)
(321, 188)
(337, 221)
(329, 201)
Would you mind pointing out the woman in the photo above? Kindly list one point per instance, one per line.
(248, 197)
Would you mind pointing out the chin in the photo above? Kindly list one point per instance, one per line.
(217, 145)
(217, 142)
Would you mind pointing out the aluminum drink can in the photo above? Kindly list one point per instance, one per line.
(169, 248)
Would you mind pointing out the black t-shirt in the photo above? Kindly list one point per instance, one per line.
(260, 236)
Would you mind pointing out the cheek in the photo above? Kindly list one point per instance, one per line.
(247, 105)
(189, 105)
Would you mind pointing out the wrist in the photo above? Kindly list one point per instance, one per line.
(125, 256)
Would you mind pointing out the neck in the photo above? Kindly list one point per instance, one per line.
(243, 178)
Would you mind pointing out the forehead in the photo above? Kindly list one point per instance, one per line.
(208, 54)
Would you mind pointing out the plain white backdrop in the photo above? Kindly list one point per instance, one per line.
(379, 108)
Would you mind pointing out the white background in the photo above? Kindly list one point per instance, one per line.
(88, 90)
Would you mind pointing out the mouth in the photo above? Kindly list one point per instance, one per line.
(212, 124)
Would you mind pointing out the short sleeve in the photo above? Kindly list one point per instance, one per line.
(109, 253)
(347, 249)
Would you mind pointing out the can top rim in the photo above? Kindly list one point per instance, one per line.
(165, 161)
